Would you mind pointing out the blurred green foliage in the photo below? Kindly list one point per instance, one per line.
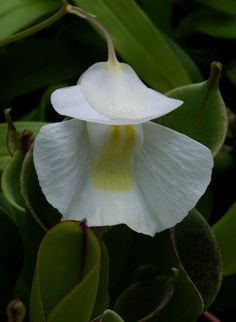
(171, 45)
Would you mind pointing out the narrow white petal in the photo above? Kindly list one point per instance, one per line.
(61, 161)
(173, 172)
(119, 93)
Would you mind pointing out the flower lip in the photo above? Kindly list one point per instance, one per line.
(150, 188)
(113, 96)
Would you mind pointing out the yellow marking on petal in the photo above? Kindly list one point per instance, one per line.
(113, 170)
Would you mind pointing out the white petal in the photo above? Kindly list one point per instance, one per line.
(61, 161)
(119, 93)
(173, 172)
(70, 101)
(112, 96)
(101, 208)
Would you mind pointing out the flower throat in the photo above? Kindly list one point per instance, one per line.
(112, 171)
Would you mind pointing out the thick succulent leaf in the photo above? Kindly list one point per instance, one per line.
(144, 300)
(205, 204)
(31, 234)
(200, 255)
(102, 298)
(9, 256)
(10, 183)
(7, 208)
(186, 304)
(203, 115)
(67, 274)
(20, 126)
(134, 250)
(137, 39)
(34, 199)
(111, 316)
(224, 231)
(13, 136)
(225, 299)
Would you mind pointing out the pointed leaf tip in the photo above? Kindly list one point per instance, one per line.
(215, 75)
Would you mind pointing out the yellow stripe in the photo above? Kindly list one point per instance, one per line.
(113, 170)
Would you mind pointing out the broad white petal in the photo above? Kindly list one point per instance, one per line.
(119, 93)
(61, 160)
(101, 208)
(70, 101)
(173, 171)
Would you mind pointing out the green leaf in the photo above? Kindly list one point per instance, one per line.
(3, 162)
(119, 250)
(41, 62)
(144, 300)
(30, 232)
(11, 182)
(199, 254)
(13, 136)
(6, 208)
(224, 231)
(102, 299)
(134, 250)
(205, 204)
(208, 22)
(203, 115)
(225, 299)
(20, 126)
(189, 65)
(67, 275)
(111, 316)
(16, 15)
(159, 12)
(186, 303)
(44, 214)
(231, 73)
(9, 257)
(44, 112)
(226, 6)
(138, 40)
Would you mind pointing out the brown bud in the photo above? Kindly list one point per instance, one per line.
(15, 311)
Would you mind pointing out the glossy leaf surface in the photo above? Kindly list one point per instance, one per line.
(203, 115)
(69, 287)
(224, 231)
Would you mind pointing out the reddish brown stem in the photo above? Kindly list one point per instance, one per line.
(210, 317)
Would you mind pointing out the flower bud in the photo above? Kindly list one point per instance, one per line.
(15, 311)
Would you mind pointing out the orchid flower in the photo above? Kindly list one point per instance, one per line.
(110, 164)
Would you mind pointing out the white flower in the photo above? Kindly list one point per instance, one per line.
(111, 165)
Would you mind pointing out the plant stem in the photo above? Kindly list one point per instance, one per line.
(210, 317)
(88, 16)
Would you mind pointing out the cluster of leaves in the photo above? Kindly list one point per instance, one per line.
(67, 271)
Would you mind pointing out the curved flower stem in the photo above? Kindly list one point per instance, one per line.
(210, 317)
(88, 16)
